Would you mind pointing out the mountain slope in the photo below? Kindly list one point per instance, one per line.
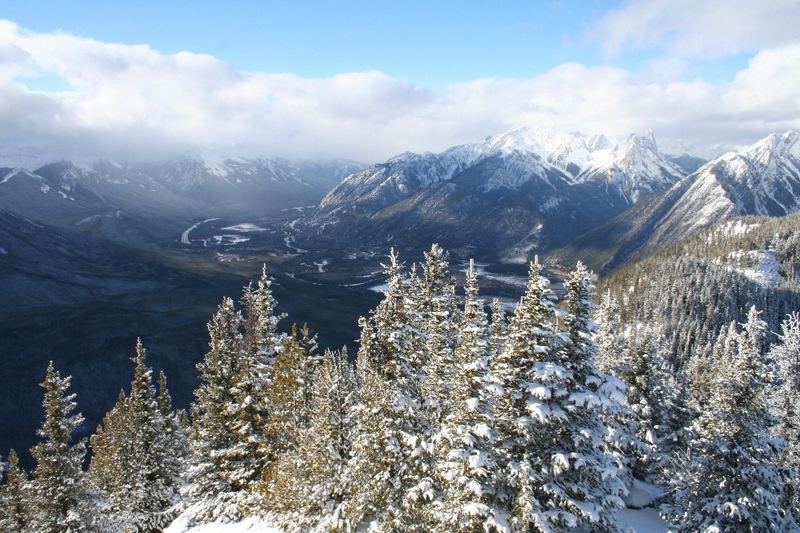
(526, 189)
(762, 179)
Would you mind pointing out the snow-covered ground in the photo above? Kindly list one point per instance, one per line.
(245, 227)
(227, 240)
(641, 520)
(249, 525)
(635, 520)
(761, 266)
(508, 279)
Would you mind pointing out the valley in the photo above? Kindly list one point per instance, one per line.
(149, 250)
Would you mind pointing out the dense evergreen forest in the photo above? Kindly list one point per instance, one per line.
(456, 416)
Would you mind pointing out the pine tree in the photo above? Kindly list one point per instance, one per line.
(652, 394)
(261, 323)
(151, 487)
(289, 395)
(389, 476)
(787, 357)
(134, 460)
(375, 474)
(13, 502)
(58, 499)
(578, 480)
(215, 475)
(465, 462)
(436, 314)
(514, 367)
(732, 480)
(315, 472)
(175, 433)
(497, 329)
(108, 467)
(607, 338)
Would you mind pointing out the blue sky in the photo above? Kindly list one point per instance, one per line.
(431, 43)
(367, 80)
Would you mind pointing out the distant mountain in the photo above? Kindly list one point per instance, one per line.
(115, 197)
(687, 163)
(762, 179)
(523, 190)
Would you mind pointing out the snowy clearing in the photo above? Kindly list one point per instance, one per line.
(761, 266)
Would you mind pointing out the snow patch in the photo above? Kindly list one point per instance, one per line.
(761, 266)
(245, 227)
(228, 240)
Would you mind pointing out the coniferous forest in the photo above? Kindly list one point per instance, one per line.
(455, 415)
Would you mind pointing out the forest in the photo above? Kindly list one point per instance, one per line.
(455, 415)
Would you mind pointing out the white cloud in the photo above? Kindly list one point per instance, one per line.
(131, 102)
(708, 28)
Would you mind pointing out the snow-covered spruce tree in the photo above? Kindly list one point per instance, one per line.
(315, 471)
(13, 502)
(388, 477)
(652, 394)
(58, 500)
(289, 395)
(578, 482)
(464, 453)
(134, 455)
(261, 337)
(175, 434)
(608, 336)
(109, 444)
(514, 368)
(497, 329)
(251, 414)
(216, 471)
(732, 479)
(436, 321)
(786, 355)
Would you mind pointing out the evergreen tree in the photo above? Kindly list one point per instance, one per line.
(58, 499)
(289, 395)
(497, 329)
(216, 474)
(315, 472)
(787, 357)
(527, 339)
(732, 480)
(110, 447)
(436, 317)
(135, 454)
(578, 480)
(652, 394)
(389, 475)
(175, 434)
(465, 458)
(13, 502)
(607, 338)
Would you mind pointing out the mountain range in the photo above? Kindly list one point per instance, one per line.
(762, 179)
(509, 194)
(570, 195)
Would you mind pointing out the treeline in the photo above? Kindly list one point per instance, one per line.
(451, 419)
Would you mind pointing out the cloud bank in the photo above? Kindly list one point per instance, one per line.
(133, 102)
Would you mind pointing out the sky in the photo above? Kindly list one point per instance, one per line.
(367, 80)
